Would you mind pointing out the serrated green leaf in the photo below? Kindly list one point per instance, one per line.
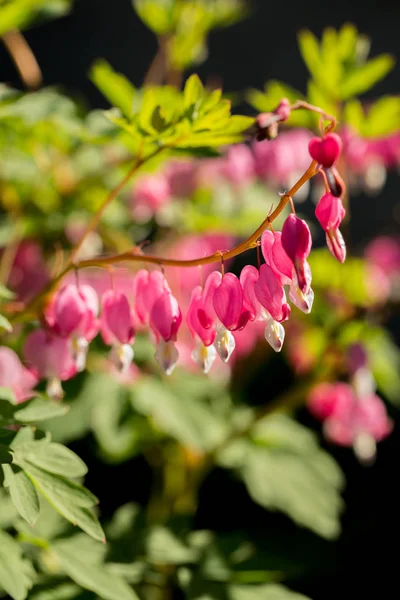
(114, 86)
(363, 77)
(193, 91)
(71, 500)
(54, 458)
(263, 592)
(13, 568)
(93, 577)
(23, 493)
(39, 409)
(56, 486)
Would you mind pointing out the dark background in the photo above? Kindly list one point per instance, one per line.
(364, 562)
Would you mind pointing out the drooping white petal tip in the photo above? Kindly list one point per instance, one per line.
(167, 356)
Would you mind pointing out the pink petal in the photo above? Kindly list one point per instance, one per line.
(197, 320)
(271, 294)
(296, 238)
(248, 278)
(69, 310)
(228, 301)
(330, 211)
(116, 318)
(165, 317)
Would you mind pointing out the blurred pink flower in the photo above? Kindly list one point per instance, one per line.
(282, 161)
(182, 177)
(350, 419)
(117, 328)
(238, 165)
(29, 272)
(15, 376)
(51, 358)
(368, 160)
(150, 193)
(384, 251)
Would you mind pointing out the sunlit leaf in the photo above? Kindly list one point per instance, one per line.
(363, 77)
(114, 86)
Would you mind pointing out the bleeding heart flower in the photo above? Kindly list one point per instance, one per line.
(330, 213)
(296, 241)
(51, 358)
(228, 303)
(271, 294)
(117, 328)
(325, 150)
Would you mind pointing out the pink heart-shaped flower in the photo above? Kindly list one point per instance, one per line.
(325, 150)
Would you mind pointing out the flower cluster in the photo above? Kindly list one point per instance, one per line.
(352, 414)
(225, 305)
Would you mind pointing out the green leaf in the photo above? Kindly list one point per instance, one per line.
(363, 77)
(346, 42)
(158, 16)
(286, 470)
(8, 395)
(71, 500)
(5, 324)
(52, 457)
(18, 14)
(165, 548)
(23, 493)
(191, 422)
(353, 115)
(193, 91)
(383, 117)
(14, 570)
(94, 577)
(263, 592)
(39, 409)
(310, 51)
(114, 86)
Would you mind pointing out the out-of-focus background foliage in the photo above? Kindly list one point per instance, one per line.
(251, 539)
